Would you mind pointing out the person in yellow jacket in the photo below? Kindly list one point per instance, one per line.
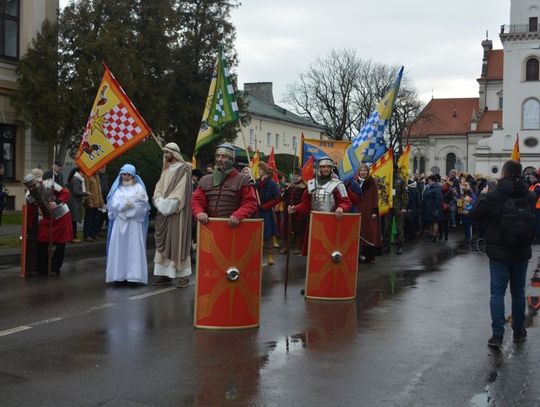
(93, 202)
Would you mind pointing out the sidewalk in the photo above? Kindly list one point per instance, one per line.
(12, 256)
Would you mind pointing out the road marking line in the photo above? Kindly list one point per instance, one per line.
(15, 330)
(46, 321)
(155, 292)
(96, 308)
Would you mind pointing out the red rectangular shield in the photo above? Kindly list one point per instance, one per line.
(332, 262)
(229, 266)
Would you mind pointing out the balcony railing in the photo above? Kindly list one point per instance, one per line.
(520, 28)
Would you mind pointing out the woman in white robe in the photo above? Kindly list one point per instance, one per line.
(128, 207)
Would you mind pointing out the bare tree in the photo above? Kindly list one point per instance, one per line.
(341, 91)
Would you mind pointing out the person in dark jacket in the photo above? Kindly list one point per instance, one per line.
(432, 206)
(506, 263)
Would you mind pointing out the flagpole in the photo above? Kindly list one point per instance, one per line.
(156, 139)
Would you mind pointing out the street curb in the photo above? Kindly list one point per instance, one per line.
(11, 257)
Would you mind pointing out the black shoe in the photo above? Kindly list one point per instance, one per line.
(399, 250)
(520, 336)
(495, 341)
(162, 280)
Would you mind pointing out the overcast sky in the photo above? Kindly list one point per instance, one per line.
(437, 41)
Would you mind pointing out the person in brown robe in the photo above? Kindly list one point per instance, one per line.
(364, 195)
(172, 198)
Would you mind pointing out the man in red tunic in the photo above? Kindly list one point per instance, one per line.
(55, 227)
(324, 193)
(225, 193)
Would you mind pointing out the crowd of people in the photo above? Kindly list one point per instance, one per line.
(424, 207)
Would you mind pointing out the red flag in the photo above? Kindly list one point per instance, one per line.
(272, 164)
(308, 170)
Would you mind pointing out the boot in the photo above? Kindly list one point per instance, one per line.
(270, 260)
(399, 249)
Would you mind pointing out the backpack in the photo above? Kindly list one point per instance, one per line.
(517, 222)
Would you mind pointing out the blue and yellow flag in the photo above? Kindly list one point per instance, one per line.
(220, 108)
(368, 146)
(383, 173)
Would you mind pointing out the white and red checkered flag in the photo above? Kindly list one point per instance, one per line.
(114, 126)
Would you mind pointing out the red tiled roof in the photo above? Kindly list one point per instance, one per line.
(495, 65)
(445, 116)
(485, 125)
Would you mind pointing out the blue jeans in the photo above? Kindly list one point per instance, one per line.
(502, 272)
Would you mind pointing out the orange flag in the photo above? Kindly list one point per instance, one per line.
(515, 151)
(308, 170)
(272, 164)
(114, 126)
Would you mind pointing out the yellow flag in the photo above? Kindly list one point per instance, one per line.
(515, 151)
(254, 165)
(383, 173)
(403, 162)
(114, 126)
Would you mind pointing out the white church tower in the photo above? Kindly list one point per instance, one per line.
(521, 93)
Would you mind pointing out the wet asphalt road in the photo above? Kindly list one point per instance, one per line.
(415, 336)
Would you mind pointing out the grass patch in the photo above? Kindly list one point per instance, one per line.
(10, 242)
(12, 218)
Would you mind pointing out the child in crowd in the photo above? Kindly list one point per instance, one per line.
(465, 219)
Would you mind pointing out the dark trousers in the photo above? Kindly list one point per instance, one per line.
(43, 258)
(90, 222)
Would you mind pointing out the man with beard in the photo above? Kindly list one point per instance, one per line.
(224, 193)
(324, 193)
(172, 198)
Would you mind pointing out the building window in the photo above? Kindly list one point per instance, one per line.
(251, 137)
(415, 165)
(450, 162)
(7, 150)
(531, 142)
(294, 143)
(531, 114)
(9, 28)
(277, 141)
(500, 102)
(531, 69)
(268, 139)
(533, 24)
(422, 165)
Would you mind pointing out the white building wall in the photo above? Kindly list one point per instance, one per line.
(261, 134)
(521, 10)
(492, 95)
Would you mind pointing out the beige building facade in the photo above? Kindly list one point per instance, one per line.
(20, 21)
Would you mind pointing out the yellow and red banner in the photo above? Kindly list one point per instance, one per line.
(114, 126)
(515, 151)
(254, 165)
(383, 173)
(332, 262)
(229, 265)
(272, 165)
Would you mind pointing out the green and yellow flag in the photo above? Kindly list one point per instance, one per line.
(221, 107)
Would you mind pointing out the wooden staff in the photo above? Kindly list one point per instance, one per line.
(288, 248)
(51, 217)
